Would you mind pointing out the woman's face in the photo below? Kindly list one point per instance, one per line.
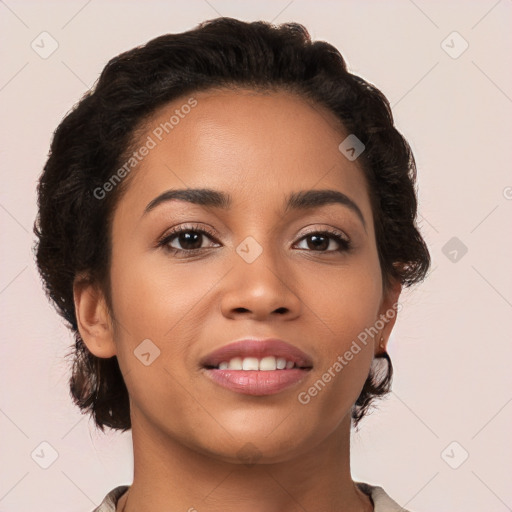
(259, 273)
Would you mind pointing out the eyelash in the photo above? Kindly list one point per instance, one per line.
(343, 242)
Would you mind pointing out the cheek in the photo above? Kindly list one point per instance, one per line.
(345, 300)
(344, 348)
(163, 304)
(155, 297)
(345, 304)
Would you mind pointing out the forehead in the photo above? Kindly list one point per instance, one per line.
(255, 146)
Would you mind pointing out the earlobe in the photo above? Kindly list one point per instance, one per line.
(387, 317)
(93, 320)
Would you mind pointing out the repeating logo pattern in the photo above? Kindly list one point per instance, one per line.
(469, 241)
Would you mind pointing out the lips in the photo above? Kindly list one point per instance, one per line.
(253, 348)
(257, 367)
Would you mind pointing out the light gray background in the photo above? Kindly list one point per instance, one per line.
(451, 346)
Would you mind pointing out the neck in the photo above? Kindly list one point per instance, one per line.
(171, 476)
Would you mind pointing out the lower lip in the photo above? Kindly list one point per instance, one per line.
(257, 382)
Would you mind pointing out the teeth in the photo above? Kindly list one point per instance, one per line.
(268, 363)
(281, 363)
(235, 363)
(250, 363)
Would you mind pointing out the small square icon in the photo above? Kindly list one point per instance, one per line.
(146, 352)
(454, 455)
(249, 454)
(454, 45)
(44, 45)
(249, 249)
(44, 455)
(454, 249)
(351, 147)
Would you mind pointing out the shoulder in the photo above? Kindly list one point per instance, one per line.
(381, 501)
(110, 501)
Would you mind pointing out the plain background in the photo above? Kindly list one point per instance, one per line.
(451, 345)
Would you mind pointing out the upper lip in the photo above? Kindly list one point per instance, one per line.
(258, 348)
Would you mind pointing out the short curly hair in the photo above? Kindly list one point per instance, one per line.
(73, 227)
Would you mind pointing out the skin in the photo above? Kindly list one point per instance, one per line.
(187, 431)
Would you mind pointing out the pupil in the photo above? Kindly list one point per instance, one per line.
(324, 242)
(188, 238)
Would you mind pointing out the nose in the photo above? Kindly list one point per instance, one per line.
(262, 290)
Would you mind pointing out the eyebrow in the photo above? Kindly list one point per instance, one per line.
(303, 200)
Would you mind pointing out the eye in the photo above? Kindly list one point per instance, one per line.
(189, 240)
(186, 239)
(326, 241)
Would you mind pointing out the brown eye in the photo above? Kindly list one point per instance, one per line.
(187, 239)
(326, 241)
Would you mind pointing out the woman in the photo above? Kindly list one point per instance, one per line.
(226, 223)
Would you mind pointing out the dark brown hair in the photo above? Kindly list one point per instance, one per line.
(73, 227)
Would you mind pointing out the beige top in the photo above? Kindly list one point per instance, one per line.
(381, 501)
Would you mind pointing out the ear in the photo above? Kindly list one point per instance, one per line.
(93, 319)
(388, 312)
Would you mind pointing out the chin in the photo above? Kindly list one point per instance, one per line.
(259, 447)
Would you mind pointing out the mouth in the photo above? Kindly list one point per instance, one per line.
(265, 364)
(257, 367)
